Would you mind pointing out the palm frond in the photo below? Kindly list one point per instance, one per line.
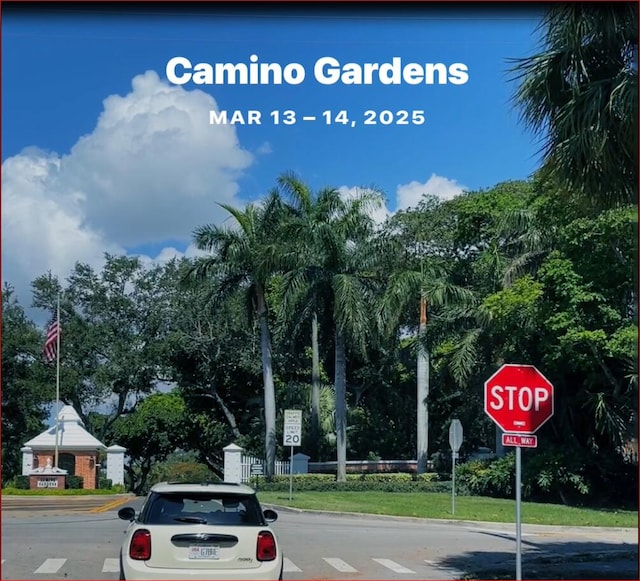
(464, 356)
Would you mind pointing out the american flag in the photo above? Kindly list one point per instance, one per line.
(51, 343)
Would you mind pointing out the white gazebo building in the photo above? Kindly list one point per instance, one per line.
(78, 453)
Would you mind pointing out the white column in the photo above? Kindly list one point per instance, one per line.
(115, 464)
(27, 460)
(233, 463)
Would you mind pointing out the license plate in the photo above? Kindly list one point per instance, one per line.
(204, 552)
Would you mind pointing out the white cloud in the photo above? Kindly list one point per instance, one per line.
(264, 149)
(168, 253)
(378, 213)
(409, 195)
(151, 170)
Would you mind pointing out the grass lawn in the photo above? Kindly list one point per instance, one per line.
(438, 505)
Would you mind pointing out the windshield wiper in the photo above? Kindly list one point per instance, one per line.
(192, 519)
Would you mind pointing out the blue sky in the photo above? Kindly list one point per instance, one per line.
(101, 153)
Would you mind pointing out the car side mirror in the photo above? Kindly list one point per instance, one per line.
(270, 515)
(127, 513)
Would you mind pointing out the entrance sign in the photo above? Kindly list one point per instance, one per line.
(519, 399)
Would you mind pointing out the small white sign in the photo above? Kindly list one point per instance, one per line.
(292, 433)
(48, 483)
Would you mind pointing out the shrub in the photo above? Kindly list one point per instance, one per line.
(20, 482)
(75, 482)
(487, 477)
(179, 471)
(427, 477)
(105, 484)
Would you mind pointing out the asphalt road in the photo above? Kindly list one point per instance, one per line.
(321, 546)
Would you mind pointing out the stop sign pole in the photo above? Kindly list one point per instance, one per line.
(519, 399)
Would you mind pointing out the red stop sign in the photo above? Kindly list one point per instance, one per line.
(518, 398)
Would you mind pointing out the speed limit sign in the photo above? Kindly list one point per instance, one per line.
(292, 427)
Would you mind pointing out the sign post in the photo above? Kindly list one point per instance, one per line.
(455, 441)
(292, 436)
(519, 399)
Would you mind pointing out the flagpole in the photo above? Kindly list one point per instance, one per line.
(57, 383)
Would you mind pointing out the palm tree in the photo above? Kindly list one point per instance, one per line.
(245, 258)
(335, 271)
(309, 222)
(580, 93)
(425, 281)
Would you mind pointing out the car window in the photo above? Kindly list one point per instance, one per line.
(203, 508)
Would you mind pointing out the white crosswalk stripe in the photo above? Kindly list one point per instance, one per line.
(111, 566)
(395, 567)
(290, 567)
(51, 566)
(339, 565)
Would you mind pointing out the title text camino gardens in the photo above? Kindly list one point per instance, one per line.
(326, 71)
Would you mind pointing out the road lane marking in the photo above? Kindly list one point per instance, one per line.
(51, 566)
(339, 565)
(113, 504)
(111, 566)
(289, 567)
(395, 567)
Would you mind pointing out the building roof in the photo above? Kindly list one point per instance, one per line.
(71, 434)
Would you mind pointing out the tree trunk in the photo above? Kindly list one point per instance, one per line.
(269, 389)
(422, 393)
(228, 414)
(315, 389)
(341, 407)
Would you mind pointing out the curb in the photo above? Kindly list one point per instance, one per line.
(113, 504)
(466, 523)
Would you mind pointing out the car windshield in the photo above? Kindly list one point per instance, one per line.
(203, 508)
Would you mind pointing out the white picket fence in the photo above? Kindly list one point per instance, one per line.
(282, 466)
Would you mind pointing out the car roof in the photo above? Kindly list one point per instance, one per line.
(219, 488)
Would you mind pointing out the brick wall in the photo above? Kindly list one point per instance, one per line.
(84, 468)
(83, 464)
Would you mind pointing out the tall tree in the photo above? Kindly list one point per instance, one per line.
(245, 257)
(339, 272)
(306, 227)
(418, 275)
(580, 94)
(26, 385)
(114, 323)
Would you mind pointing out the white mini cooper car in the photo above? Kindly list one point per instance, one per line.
(200, 531)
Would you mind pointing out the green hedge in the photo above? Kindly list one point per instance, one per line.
(383, 482)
